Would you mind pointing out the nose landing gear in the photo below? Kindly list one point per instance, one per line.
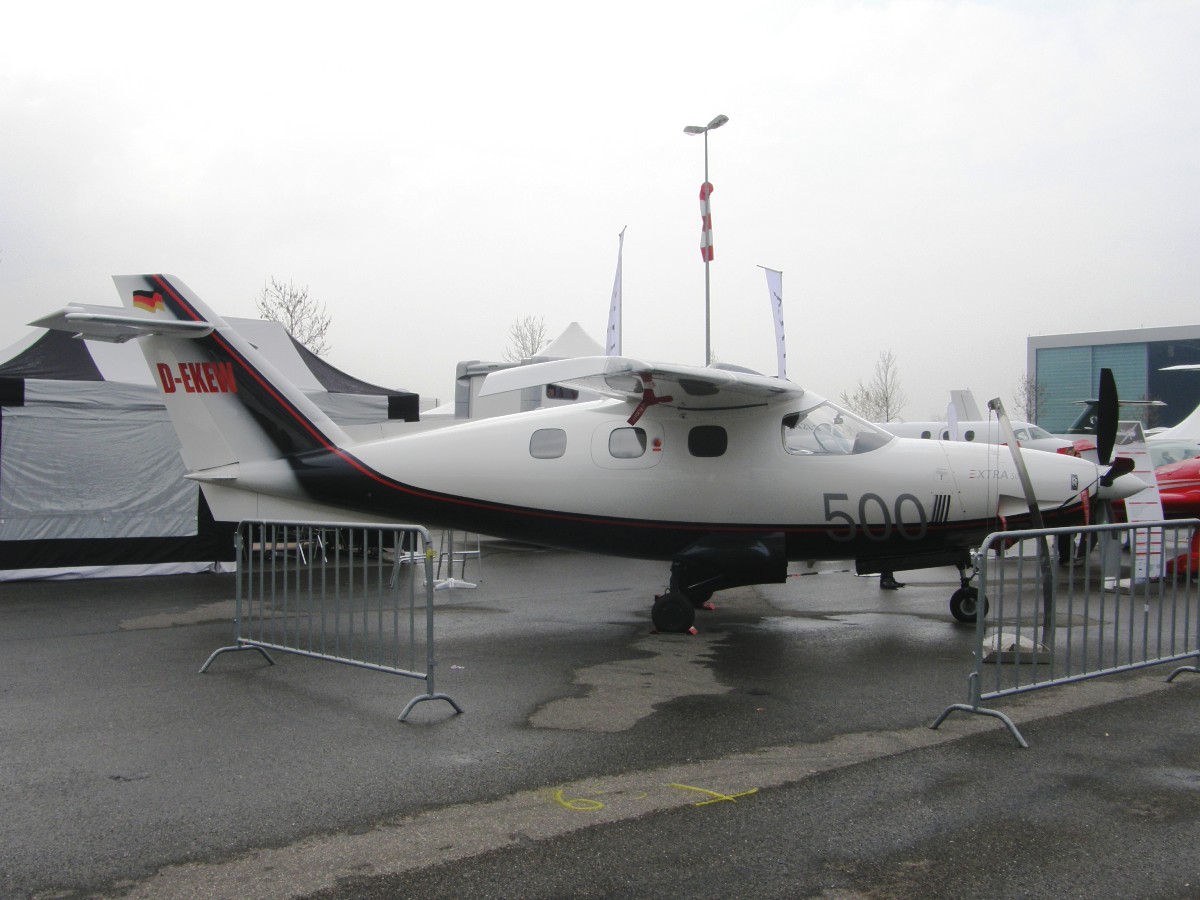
(965, 603)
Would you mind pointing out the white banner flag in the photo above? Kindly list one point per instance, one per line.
(613, 344)
(775, 287)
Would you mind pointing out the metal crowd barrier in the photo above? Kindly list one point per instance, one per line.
(1090, 601)
(360, 595)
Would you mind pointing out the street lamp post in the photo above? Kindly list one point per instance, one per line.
(704, 130)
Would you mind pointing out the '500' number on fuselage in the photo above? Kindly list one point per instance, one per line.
(906, 518)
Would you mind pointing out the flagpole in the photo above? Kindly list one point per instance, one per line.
(707, 286)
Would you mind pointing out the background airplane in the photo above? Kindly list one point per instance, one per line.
(1029, 436)
(727, 475)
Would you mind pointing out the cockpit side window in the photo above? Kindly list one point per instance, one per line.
(826, 430)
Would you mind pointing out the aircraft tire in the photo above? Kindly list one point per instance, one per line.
(964, 605)
(673, 613)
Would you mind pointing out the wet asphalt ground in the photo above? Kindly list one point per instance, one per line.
(784, 751)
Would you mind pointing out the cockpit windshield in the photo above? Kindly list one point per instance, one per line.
(827, 430)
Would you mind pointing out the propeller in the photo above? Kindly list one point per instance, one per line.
(1122, 465)
(1106, 417)
(1106, 438)
(1107, 411)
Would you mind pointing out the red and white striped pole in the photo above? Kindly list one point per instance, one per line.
(706, 238)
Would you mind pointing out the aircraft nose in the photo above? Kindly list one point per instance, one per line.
(1124, 486)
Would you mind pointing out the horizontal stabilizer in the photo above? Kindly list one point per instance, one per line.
(113, 324)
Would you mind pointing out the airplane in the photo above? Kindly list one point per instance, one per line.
(1179, 493)
(726, 475)
(1086, 421)
(1029, 436)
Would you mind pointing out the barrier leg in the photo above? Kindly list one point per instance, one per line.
(234, 649)
(1195, 670)
(415, 700)
(983, 711)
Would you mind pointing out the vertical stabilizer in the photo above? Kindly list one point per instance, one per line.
(963, 402)
(226, 401)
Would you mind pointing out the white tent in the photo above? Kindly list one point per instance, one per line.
(91, 481)
(573, 343)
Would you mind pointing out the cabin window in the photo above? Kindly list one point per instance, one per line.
(558, 392)
(627, 443)
(708, 440)
(548, 443)
(926, 434)
(969, 436)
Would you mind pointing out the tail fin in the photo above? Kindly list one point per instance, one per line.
(227, 402)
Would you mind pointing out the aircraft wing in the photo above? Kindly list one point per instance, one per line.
(685, 387)
(115, 325)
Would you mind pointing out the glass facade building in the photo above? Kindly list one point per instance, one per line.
(1066, 369)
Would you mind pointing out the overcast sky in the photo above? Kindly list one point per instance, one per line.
(935, 179)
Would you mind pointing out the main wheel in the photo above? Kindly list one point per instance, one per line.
(673, 613)
(965, 606)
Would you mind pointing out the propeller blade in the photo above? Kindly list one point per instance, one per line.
(1122, 465)
(1106, 417)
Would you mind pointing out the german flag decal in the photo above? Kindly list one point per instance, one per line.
(150, 301)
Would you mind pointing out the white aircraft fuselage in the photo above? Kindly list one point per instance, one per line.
(900, 497)
(726, 475)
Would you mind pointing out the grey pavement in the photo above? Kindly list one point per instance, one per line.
(782, 751)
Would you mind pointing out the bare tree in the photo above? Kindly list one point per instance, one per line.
(1028, 397)
(882, 399)
(525, 338)
(303, 317)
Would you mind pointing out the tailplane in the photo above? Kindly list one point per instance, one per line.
(227, 402)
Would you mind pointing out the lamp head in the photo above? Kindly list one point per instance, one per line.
(700, 129)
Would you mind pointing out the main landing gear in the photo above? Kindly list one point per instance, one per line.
(673, 613)
(965, 603)
(714, 563)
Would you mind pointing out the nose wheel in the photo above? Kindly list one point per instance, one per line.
(965, 604)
